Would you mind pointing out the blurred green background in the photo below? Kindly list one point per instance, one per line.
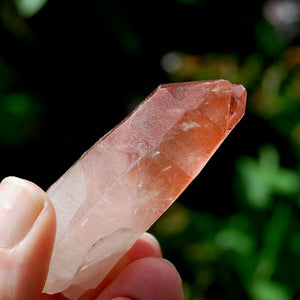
(70, 71)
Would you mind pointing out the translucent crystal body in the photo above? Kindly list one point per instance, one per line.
(123, 183)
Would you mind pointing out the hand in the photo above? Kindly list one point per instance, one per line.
(27, 233)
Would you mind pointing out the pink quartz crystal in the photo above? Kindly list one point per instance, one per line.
(123, 183)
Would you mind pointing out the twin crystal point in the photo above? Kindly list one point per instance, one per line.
(124, 182)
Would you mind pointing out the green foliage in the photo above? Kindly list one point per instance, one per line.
(28, 8)
(251, 243)
(271, 41)
(20, 112)
(270, 290)
(19, 118)
(260, 180)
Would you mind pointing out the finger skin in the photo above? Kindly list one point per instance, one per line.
(148, 278)
(146, 246)
(24, 268)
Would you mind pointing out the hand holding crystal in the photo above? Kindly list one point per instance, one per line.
(110, 197)
(27, 233)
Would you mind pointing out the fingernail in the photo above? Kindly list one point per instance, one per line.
(20, 205)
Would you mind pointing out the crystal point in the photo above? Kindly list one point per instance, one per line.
(123, 183)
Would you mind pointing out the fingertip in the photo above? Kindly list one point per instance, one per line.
(148, 278)
(146, 246)
(27, 249)
(152, 242)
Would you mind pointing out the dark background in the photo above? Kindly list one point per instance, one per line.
(84, 63)
(70, 71)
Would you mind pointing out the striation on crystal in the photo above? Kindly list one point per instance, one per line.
(124, 182)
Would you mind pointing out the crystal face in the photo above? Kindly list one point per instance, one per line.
(124, 182)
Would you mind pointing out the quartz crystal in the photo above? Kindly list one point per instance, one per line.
(124, 182)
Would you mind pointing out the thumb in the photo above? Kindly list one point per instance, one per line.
(27, 232)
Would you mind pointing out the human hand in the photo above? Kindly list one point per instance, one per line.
(27, 233)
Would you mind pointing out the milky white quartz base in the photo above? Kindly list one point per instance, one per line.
(119, 187)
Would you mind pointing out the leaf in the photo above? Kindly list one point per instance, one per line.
(268, 290)
(261, 178)
(28, 8)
